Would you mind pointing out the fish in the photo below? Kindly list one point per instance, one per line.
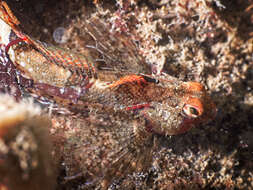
(127, 106)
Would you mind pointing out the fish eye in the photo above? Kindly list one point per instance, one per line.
(191, 111)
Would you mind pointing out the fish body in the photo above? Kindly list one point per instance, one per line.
(127, 105)
(168, 105)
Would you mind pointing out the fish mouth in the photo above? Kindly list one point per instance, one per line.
(186, 125)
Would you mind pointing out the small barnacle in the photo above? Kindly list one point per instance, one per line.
(25, 157)
(60, 35)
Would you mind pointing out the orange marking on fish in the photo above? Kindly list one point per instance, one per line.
(194, 87)
(9, 16)
(78, 63)
(128, 79)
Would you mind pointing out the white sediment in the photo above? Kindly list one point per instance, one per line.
(5, 31)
